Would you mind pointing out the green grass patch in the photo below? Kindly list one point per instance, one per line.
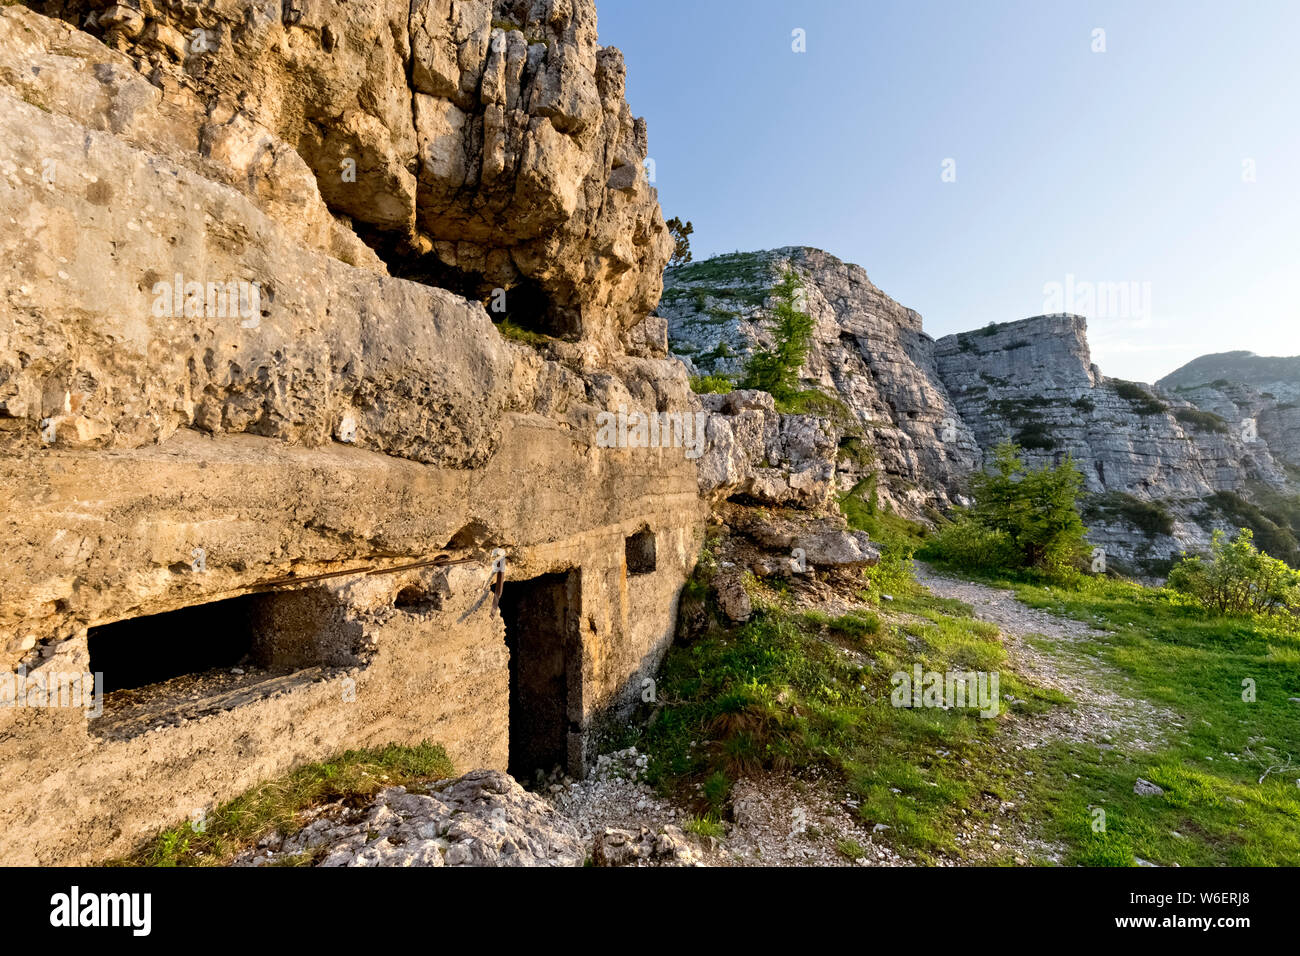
(851, 849)
(748, 268)
(235, 826)
(815, 402)
(896, 537)
(774, 694)
(705, 826)
(517, 333)
(1214, 812)
(711, 384)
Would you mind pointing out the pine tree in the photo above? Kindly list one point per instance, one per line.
(776, 370)
(681, 233)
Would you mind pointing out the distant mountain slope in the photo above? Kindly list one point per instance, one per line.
(1240, 368)
(1257, 394)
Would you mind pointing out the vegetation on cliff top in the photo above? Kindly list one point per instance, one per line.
(773, 369)
(1140, 400)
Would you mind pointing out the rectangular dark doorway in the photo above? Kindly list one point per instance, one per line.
(540, 634)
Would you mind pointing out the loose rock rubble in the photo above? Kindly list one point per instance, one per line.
(620, 816)
(482, 819)
(778, 821)
(621, 848)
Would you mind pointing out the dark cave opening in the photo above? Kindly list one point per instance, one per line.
(639, 552)
(523, 307)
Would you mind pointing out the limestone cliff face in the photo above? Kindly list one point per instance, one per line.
(483, 144)
(1150, 460)
(1033, 381)
(867, 351)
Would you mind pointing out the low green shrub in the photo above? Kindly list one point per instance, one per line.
(1237, 578)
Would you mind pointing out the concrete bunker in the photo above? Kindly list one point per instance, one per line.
(541, 617)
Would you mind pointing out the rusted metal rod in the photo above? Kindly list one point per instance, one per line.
(306, 580)
(442, 561)
(437, 562)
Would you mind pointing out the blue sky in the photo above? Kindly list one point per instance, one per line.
(1122, 167)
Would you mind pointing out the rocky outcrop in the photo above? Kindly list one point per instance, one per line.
(67, 74)
(867, 351)
(481, 144)
(481, 819)
(756, 453)
(111, 360)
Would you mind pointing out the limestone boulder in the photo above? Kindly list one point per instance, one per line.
(668, 847)
(483, 819)
(757, 453)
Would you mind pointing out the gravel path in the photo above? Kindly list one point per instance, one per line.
(1107, 712)
(1048, 649)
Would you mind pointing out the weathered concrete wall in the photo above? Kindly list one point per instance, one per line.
(72, 794)
(109, 535)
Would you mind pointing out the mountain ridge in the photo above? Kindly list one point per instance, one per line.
(1162, 468)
